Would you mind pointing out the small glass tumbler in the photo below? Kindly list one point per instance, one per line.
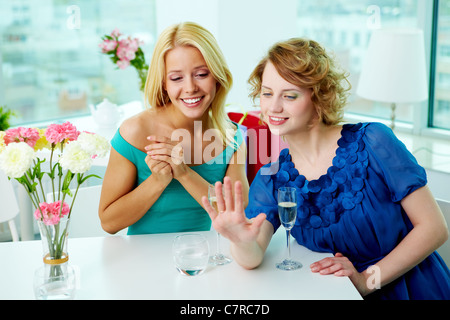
(190, 254)
(51, 285)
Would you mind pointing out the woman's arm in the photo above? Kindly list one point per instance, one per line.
(249, 238)
(429, 233)
(121, 203)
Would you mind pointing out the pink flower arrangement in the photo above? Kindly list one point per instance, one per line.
(51, 213)
(54, 134)
(28, 135)
(71, 154)
(125, 52)
(60, 133)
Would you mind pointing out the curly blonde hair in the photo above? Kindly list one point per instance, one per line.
(306, 64)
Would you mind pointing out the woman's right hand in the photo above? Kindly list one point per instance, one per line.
(231, 221)
(161, 170)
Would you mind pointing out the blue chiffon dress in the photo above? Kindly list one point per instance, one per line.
(355, 207)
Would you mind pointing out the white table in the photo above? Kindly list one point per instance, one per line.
(141, 267)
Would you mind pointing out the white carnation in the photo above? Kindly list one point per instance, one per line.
(75, 158)
(94, 144)
(16, 159)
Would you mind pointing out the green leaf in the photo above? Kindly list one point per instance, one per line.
(67, 181)
(67, 191)
(89, 176)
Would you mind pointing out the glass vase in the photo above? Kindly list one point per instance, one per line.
(55, 280)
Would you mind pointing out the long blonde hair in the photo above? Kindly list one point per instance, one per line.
(193, 35)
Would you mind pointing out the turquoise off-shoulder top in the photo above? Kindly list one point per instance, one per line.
(175, 210)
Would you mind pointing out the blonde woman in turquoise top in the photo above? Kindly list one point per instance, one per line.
(163, 159)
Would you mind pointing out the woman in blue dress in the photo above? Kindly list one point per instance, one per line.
(361, 195)
(163, 159)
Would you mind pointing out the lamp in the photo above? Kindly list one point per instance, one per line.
(394, 69)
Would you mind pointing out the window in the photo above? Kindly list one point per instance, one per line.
(440, 106)
(344, 28)
(50, 62)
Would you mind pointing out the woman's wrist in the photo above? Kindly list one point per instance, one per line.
(160, 181)
(247, 254)
(184, 176)
(367, 281)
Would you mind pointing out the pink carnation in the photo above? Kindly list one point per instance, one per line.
(108, 45)
(123, 64)
(56, 133)
(127, 49)
(115, 33)
(133, 44)
(21, 134)
(51, 212)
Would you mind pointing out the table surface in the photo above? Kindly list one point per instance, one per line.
(141, 267)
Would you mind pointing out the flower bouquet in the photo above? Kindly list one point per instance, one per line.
(124, 52)
(71, 156)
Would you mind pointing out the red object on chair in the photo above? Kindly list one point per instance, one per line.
(258, 139)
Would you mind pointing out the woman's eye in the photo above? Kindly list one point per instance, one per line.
(291, 97)
(175, 78)
(266, 94)
(202, 75)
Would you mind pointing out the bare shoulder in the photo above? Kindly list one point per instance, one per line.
(137, 128)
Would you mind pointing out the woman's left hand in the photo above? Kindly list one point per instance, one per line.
(342, 267)
(163, 149)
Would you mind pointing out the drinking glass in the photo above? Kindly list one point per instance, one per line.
(48, 286)
(218, 258)
(190, 253)
(287, 210)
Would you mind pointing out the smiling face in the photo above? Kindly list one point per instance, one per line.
(286, 108)
(189, 83)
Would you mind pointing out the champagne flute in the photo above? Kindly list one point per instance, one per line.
(287, 210)
(219, 258)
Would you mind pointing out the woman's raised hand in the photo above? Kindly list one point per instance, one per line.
(230, 220)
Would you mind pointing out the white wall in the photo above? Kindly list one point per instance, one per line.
(439, 183)
(245, 29)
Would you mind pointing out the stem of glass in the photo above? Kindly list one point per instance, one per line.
(288, 235)
(218, 243)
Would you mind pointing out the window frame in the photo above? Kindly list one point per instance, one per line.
(433, 62)
(431, 23)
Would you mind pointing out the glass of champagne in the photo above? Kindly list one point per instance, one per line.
(218, 258)
(287, 210)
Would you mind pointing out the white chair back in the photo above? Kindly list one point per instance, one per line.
(9, 208)
(444, 250)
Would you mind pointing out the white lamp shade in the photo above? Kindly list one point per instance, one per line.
(394, 68)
